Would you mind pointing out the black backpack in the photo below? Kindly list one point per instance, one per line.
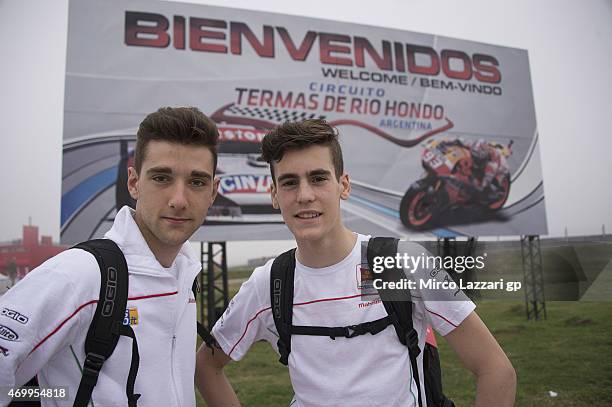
(399, 314)
(107, 323)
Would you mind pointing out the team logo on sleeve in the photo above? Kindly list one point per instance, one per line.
(8, 334)
(22, 319)
(131, 316)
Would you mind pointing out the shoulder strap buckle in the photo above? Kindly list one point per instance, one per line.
(352, 331)
(91, 367)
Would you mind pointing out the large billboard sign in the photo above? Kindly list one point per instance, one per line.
(439, 134)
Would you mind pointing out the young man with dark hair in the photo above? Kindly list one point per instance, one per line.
(173, 184)
(366, 370)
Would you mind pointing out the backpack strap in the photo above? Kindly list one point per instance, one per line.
(107, 323)
(400, 312)
(208, 339)
(349, 331)
(281, 297)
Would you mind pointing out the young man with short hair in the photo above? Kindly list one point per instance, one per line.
(309, 183)
(173, 184)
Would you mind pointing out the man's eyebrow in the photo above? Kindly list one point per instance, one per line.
(287, 176)
(201, 174)
(319, 171)
(168, 170)
(159, 170)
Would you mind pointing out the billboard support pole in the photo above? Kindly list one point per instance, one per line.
(213, 281)
(448, 246)
(533, 282)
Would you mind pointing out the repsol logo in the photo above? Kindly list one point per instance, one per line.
(8, 334)
(22, 319)
(111, 292)
(276, 298)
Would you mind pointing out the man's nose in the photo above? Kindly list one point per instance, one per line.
(178, 197)
(305, 192)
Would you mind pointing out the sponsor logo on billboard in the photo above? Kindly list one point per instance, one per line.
(240, 134)
(8, 334)
(22, 319)
(245, 184)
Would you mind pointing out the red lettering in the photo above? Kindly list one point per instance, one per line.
(485, 67)
(252, 98)
(465, 73)
(400, 65)
(196, 33)
(263, 49)
(283, 102)
(134, 30)
(179, 32)
(266, 98)
(301, 53)
(432, 69)
(362, 45)
(326, 49)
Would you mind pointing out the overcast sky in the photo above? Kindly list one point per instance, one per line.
(570, 51)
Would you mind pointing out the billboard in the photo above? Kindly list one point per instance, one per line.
(439, 134)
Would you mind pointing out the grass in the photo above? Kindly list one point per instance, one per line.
(240, 272)
(563, 354)
(569, 353)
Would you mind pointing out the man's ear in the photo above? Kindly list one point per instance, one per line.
(215, 191)
(132, 182)
(273, 192)
(345, 184)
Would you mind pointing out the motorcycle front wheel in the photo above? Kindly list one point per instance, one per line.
(504, 192)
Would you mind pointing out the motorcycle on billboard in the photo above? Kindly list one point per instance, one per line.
(455, 178)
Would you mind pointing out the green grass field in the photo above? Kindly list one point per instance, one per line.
(570, 353)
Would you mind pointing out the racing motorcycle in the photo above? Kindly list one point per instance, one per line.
(451, 180)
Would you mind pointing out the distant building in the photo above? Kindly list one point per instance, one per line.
(26, 254)
(259, 261)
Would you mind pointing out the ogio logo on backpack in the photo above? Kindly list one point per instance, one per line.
(111, 292)
(276, 298)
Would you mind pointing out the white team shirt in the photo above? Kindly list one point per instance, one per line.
(362, 371)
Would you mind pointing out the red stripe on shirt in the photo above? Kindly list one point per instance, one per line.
(152, 296)
(328, 299)
(300, 303)
(440, 316)
(89, 303)
(62, 324)
(247, 328)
